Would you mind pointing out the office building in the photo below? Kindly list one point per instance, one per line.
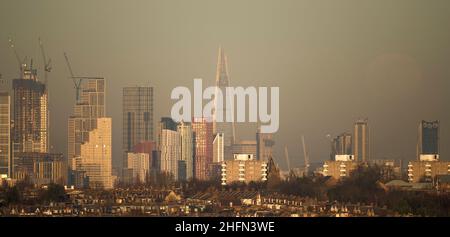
(428, 141)
(137, 108)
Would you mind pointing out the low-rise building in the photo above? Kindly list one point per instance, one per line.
(426, 171)
(244, 168)
(339, 169)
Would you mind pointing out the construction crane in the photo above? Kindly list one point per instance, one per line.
(47, 64)
(76, 79)
(20, 61)
(286, 155)
(305, 156)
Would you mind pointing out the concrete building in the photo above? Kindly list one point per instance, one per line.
(187, 150)
(89, 137)
(339, 169)
(245, 147)
(428, 141)
(96, 159)
(264, 146)
(87, 110)
(139, 163)
(342, 145)
(203, 138)
(5, 136)
(361, 140)
(137, 106)
(169, 145)
(243, 168)
(426, 171)
(41, 168)
(30, 113)
(218, 148)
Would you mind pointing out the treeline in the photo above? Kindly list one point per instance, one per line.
(24, 193)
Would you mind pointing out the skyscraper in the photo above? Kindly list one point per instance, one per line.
(30, 113)
(137, 117)
(203, 136)
(89, 135)
(218, 148)
(428, 140)
(264, 146)
(223, 81)
(187, 148)
(169, 145)
(342, 147)
(5, 135)
(96, 159)
(361, 140)
(85, 113)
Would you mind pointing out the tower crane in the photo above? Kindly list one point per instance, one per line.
(47, 64)
(76, 79)
(20, 61)
(305, 156)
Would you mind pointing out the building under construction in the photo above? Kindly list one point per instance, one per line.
(30, 113)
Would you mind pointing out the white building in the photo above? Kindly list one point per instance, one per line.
(218, 148)
(139, 163)
(187, 148)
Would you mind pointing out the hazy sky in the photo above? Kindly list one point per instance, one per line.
(334, 61)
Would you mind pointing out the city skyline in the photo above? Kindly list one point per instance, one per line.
(294, 72)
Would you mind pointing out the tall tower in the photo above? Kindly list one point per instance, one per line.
(137, 117)
(187, 148)
(89, 135)
(361, 140)
(428, 140)
(30, 113)
(5, 135)
(203, 136)
(264, 145)
(223, 81)
(169, 145)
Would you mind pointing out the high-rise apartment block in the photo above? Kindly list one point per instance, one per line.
(89, 136)
(169, 145)
(30, 113)
(264, 146)
(243, 168)
(5, 136)
(361, 140)
(203, 137)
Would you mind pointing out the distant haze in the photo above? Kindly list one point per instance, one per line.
(334, 61)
